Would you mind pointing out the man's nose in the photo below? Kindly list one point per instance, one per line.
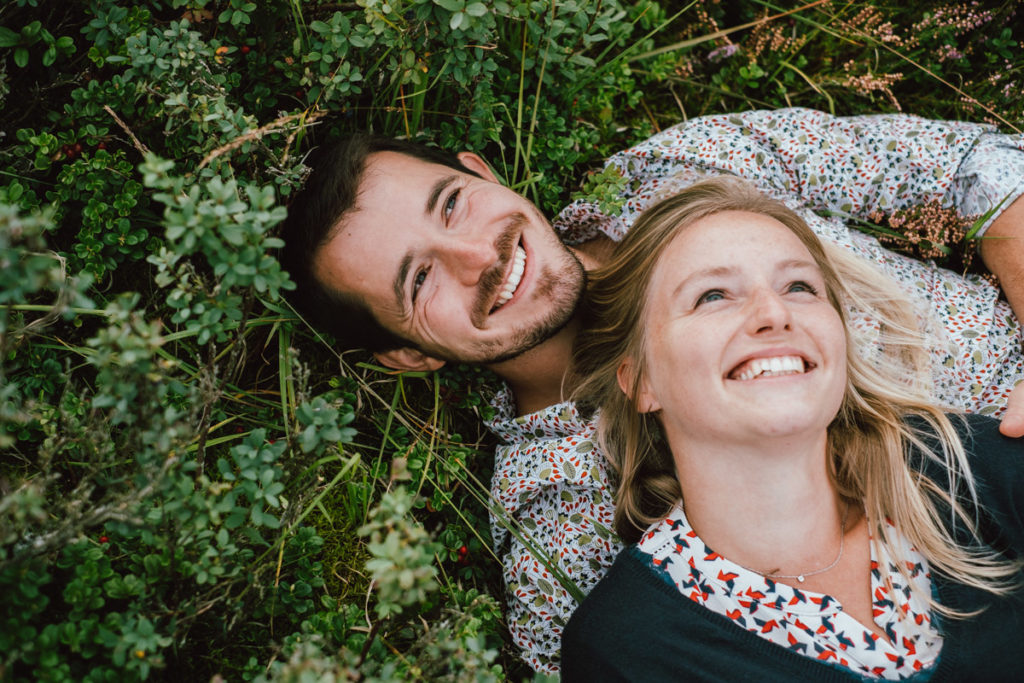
(768, 312)
(468, 257)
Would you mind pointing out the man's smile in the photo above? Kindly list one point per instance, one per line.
(515, 276)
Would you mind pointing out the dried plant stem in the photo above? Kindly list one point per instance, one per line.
(135, 141)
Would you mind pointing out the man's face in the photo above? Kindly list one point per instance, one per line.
(463, 267)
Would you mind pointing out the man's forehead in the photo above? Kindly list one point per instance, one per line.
(392, 190)
(383, 172)
(390, 168)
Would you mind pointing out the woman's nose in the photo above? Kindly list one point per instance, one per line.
(769, 312)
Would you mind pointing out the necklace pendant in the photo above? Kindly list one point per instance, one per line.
(800, 578)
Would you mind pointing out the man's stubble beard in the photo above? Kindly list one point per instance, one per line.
(574, 278)
(566, 283)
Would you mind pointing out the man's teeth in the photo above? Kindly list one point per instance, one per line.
(771, 367)
(518, 266)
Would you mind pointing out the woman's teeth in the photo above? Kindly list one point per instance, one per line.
(518, 266)
(771, 367)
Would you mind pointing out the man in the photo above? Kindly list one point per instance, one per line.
(426, 259)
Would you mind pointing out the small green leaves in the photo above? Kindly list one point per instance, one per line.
(324, 425)
(30, 35)
(402, 555)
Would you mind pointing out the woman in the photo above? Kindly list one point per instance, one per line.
(799, 512)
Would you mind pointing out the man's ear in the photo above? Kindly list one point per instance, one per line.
(476, 163)
(408, 359)
(645, 400)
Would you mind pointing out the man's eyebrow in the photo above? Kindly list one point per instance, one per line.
(399, 284)
(435, 192)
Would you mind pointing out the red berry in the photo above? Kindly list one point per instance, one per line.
(104, 539)
(78, 147)
(245, 49)
(101, 145)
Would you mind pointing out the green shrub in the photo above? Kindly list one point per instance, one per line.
(194, 483)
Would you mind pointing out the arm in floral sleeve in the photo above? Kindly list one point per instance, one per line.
(855, 166)
(553, 532)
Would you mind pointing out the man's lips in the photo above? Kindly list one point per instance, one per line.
(771, 366)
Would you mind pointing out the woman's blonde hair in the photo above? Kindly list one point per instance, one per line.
(870, 441)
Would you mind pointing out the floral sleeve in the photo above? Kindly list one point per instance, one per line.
(553, 529)
(857, 166)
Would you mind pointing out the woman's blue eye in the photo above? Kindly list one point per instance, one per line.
(801, 286)
(710, 295)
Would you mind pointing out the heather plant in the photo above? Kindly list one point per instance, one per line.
(193, 482)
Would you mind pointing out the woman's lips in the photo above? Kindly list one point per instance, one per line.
(770, 366)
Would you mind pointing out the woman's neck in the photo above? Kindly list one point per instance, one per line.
(768, 506)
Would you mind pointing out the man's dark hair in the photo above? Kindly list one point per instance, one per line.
(313, 215)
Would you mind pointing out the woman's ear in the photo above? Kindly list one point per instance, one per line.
(476, 163)
(645, 400)
(408, 359)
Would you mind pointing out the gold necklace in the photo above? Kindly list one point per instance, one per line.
(803, 575)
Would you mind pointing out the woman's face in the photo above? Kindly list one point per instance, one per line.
(742, 342)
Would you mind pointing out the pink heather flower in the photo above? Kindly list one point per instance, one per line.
(724, 52)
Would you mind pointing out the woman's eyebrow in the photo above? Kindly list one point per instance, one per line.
(716, 271)
(798, 264)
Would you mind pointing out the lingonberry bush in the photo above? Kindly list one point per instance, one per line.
(193, 482)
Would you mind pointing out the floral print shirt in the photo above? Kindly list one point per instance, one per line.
(554, 529)
(812, 624)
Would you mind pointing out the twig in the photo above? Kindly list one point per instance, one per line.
(679, 103)
(135, 141)
(275, 126)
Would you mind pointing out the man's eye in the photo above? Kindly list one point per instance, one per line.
(449, 204)
(709, 296)
(417, 282)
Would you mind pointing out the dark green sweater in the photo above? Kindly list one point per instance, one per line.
(634, 626)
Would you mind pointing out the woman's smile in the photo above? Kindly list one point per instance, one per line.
(775, 366)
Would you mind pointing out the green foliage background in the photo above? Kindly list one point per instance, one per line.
(193, 482)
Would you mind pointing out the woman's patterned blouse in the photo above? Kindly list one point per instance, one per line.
(549, 478)
(812, 624)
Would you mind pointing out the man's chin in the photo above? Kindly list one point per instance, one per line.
(565, 312)
(534, 341)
